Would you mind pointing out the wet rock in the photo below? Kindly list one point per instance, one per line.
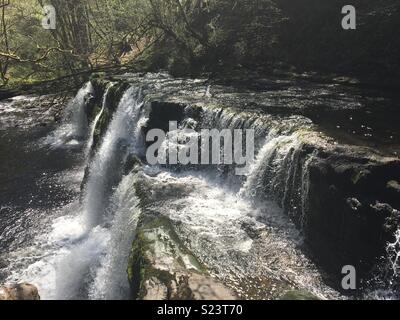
(392, 216)
(24, 291)
(329, 190)
(155, 289)
(394, 186)
(200, 287)
(132, 163)
(346, 80)
(354, 203)
(253, 231)
(160, 266)
(336, 234)
(298, 295)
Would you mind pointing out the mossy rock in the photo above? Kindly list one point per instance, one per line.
(298, 295)
(158, 253)
(160, 266)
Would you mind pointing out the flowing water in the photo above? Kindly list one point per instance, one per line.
(80, 254)
(74, 129)
(89, 144)
(74, 244)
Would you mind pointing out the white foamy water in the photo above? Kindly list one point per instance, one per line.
(48, 253)
(71, 262)
(95, 268)
(110, 280)
(120, 139)
(227, 233)
(74, 129)
(385, 284)
(393, 253)
(84, 252)
(275, 148)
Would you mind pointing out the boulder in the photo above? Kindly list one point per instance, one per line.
(160, 266)
(23, 291)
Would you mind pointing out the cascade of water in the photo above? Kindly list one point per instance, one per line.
(94, 268)
(75, 124)
(110, 282)
(264, 172)
(79, 118)
(385, 282)
(85, 254)
(105, 169)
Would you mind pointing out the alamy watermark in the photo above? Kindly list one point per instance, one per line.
(349, 281)
(349, 21)
(189, 147)
(49, 19)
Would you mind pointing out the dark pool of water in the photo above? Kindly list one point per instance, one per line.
(30, 188)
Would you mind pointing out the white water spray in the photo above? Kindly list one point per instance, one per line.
(393, 254)
(110, 281)
(120, 139)
(74, 128)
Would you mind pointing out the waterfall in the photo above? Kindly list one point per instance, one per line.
(239, 227)
(95, 122)
(84, 254)
(106, 167)
(95, 266)
(79, 118)
(269, 161)
(74, 127)
(110, 281)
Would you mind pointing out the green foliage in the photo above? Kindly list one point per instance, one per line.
(193, 36)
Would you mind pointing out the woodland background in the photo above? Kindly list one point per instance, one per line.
(191, 37)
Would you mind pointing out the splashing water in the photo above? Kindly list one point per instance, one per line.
(84, 254)
(393, 255)
(222, 229)
(110, 281)
(98, 217)
(74, 128)
(384, 284)
(105, 169)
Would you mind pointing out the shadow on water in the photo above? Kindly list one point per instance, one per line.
(29, 174)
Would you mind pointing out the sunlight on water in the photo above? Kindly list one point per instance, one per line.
(74, 127)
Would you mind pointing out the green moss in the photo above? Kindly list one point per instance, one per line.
(138, 263)
(140, 268)
(148, 241)
(114, 96)
(97, 76)
(298, 295)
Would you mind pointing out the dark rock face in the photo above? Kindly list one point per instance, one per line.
(348, 216)
(162, 113)
(342, 198)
